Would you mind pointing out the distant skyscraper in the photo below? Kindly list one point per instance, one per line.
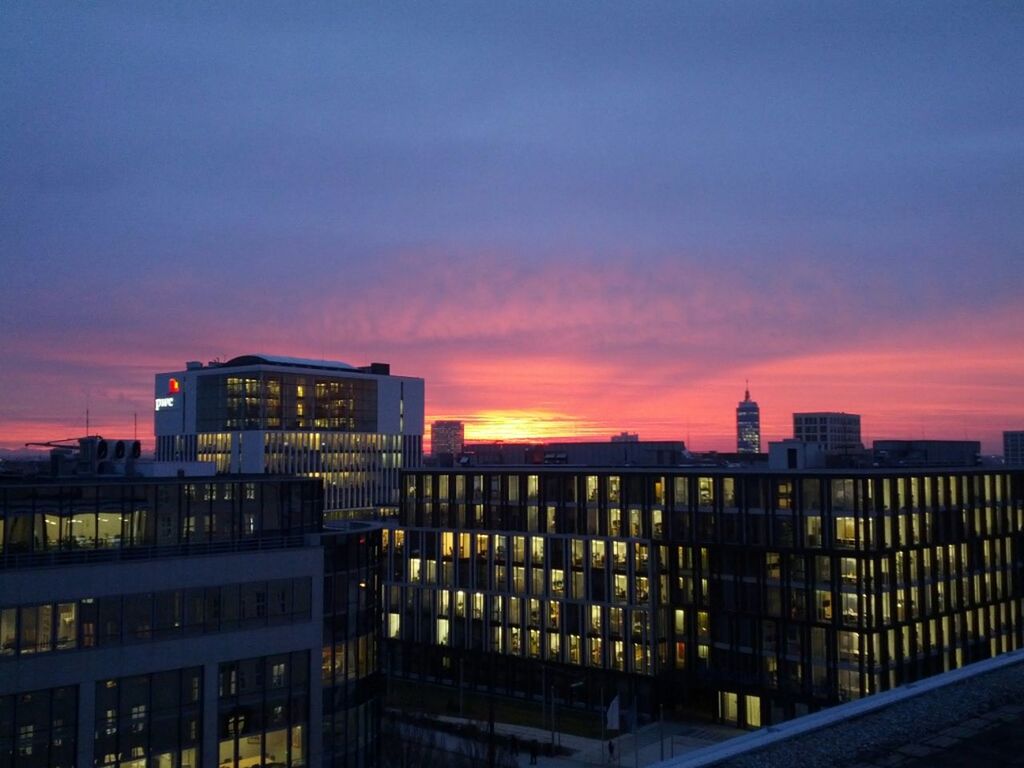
(626, 437)
(447, 437)
(835, 432)
(1013, 447)
(748, 425)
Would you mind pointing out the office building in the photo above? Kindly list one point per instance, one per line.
(180, 623)
(750, 595)
(748, 425)
(447, 438)
(353, 428)
(835, 432)
(1013, 448)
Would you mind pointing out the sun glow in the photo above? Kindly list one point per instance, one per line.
(526, 425)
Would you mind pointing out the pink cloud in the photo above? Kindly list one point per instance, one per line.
(656, 346)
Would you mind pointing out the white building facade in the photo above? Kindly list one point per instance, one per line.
(353, 428)
(836, 432)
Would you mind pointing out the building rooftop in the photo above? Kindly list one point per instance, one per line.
(969, 716)
(292, 362)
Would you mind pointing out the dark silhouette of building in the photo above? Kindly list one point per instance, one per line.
(1013, 447)
(926, 453)
(612, 453)
(447, 438)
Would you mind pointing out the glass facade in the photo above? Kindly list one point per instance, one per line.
(112, 620)
(754, 595)
(50, 522)
(263, 703)
(38, 729)
(351, 676)
(150, 721)
(263, 712)
(262, 400)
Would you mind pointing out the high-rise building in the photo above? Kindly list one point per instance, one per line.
(355, 428)
(748, 425)
(836, 432)
(447, 437)
(1013, 447)
(751, 595)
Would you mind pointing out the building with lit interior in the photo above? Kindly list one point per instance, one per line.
(352, 428)
(748, 425)
(835, 432)
(185, 623)
(749, 595)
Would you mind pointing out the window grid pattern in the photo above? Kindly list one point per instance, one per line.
(150, 720)
(38, 728)
(80, 518)
(113, 620)
(263, 711)
(785, 591)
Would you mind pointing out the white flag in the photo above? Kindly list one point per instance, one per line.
(613, 714)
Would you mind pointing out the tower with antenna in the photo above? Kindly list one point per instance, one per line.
(748, 424)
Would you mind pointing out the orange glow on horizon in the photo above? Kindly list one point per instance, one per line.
(526, 426)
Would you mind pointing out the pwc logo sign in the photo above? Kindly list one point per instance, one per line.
(173, 388)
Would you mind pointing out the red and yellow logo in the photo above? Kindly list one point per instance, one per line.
(173, 387)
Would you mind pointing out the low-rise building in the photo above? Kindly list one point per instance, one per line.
(751, 595)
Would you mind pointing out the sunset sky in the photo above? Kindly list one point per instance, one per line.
(571, 219)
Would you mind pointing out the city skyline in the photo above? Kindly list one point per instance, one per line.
(568, 224)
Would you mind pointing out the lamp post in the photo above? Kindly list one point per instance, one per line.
(551, 689)
(572, 697)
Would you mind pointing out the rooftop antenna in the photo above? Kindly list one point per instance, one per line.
(135, 434)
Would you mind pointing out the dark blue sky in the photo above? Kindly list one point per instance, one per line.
(715, 190)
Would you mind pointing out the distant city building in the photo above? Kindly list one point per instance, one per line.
(613, 453)
(354, 428)
(926, 453)
(447, 437)
(748, 425)
(1013, 447)
(626, 437)
(835, 432)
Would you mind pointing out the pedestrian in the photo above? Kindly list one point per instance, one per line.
(514, 746)
(611, 751)
(533, 752)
